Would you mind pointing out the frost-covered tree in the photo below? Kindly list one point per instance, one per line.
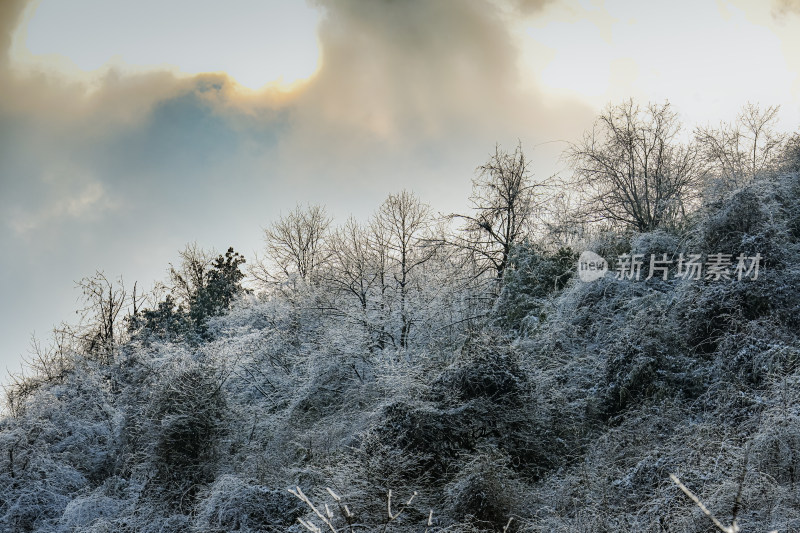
(741, 150)
(357, 271)
(403, 222)
(790, 154)
(295, 244)
(190, 275)
(167, 321)
(504, 203)
(534, 275)
(353, 268)
(201, 287)
(633, 170)
(223, 283)
(104, 301)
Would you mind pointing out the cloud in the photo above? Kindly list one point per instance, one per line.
(416, 77)
(394, 76)
(89, 201)
(116, 170)
(531, 7)
(396, 67)
(407, 94)
(782, 8)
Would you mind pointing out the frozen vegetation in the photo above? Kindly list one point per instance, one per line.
(457, 360)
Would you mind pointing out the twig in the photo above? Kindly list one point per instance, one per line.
(738, 503)
(310, 525)
(734, 528)
(430, 521)
(399, 511)
(348, 516)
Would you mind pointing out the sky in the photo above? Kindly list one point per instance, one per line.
(131, 128)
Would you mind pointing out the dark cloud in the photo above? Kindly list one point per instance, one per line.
(416, 73)
(414, 65)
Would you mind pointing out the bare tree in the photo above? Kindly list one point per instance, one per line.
(353, 262)
(402, 221)
(561, 222)
(104, 301)
(739, 151)
(631, 169)
(49, 363)
(191, 274)
(296, 242)
(358, 271)
(504, 201)
(379, 237)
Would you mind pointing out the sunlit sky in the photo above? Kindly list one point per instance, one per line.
(254, 42)
(130, 128)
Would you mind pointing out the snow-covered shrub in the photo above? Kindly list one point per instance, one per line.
(750, 221)
(96, 510)
(705, 313)
(483, 398)
(655, 243)
(59, 443)
(233, 504)
(181, 432)
(646, 355)
(485, 492)
(788, 196)
(775, 446)
(727, 226)
(486, 370)
(532, 276)
(757, 351)
(32, 507)
(609, 244)
(37, 498)
(421, 430)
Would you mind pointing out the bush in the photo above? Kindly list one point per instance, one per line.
(94, 511)
(233, 504)
(654, 243)
(168, 322)
(488, 373)
(420, 431)
(646, 356)
(748, 222)
(485, 491)
(183, 426)
(533, 276)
